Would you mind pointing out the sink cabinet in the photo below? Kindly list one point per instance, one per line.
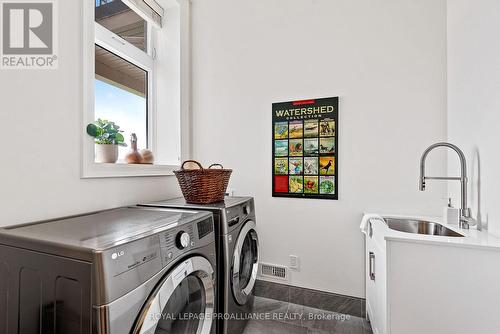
(430, 284)
(376, 279)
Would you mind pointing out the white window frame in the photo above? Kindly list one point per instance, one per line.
(170, 141)
(120, 47)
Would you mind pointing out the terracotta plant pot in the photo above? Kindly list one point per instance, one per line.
(106, 153)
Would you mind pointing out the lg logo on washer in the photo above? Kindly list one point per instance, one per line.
(116, 255)
(29, 34)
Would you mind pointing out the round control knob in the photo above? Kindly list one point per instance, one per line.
(182, 240)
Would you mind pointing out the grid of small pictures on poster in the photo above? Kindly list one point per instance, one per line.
(305, 154)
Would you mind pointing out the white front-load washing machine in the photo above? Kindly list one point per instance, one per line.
(237, 256)
(128, 270)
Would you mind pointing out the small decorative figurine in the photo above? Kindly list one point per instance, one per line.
(147, 156)
(133, 157)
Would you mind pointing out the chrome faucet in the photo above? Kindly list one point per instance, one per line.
(465, 213)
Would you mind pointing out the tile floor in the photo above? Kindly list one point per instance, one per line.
(312, 298)
(277, 317)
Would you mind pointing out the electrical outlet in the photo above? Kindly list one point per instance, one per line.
(294, 262)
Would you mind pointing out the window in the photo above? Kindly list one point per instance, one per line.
(118, 18)
(136, 74)
(122, 93)
(121, 96)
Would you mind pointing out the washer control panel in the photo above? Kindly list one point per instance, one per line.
(127, 264)
(123, 259)
(181, 239)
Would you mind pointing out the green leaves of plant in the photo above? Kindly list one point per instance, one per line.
(92, 130)
(119, 137)
(106, 132)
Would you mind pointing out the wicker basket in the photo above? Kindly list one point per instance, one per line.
(203, 186)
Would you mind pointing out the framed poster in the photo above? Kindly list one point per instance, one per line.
(305, 148)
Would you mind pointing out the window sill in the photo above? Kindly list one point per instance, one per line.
(108, 170)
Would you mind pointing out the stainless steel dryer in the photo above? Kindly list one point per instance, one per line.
(128, 270)
(237, 256)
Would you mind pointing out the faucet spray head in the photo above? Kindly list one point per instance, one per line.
(421, 184)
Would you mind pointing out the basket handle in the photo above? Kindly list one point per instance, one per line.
(214, 165)
(193, 161)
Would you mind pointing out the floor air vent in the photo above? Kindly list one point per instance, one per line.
(273, 271)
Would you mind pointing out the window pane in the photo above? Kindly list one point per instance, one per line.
(120, 96)
(114, 15)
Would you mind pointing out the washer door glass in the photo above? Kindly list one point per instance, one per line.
(245, 263)
(183, 302)
(184, 308)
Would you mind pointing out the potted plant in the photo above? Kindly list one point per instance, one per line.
(107, 139)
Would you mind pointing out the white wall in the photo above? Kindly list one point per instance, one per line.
(474, 100)
(386, 59)
(40, 160)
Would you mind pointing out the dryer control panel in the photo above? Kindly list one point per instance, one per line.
(236, 215)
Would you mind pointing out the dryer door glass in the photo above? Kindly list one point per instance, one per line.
(183, 302)
(245, 263)
(248, 258)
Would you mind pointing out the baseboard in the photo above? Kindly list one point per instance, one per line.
(311, 298)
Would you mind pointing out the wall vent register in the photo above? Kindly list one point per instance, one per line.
(273, 271)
